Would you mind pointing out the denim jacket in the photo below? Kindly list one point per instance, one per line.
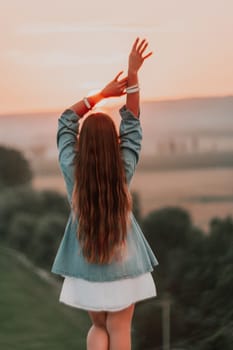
(138, 257)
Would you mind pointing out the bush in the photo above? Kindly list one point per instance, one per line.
(21, 232)
(167, 229)
(48, 234)
(15, 170)
(26, 200)
(14, 201)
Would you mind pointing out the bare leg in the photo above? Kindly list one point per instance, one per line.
(118, 325)
(97, 337)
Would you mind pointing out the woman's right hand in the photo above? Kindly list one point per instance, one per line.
(115, 87)
(136, 57)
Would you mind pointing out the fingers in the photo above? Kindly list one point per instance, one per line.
(148, 55)
(143, 48)
(123, 80)
(117, 76)
(123, 86)
(135, 44)
(140, 49)
(141, 45)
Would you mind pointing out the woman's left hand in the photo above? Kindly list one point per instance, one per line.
(115, 87)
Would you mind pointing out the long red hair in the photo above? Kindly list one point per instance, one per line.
(101, 199)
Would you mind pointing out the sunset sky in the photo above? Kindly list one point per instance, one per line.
(53, 53)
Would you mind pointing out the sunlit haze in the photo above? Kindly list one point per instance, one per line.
(53, 53)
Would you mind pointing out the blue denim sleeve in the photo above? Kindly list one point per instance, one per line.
(130, 141)
(68, 128)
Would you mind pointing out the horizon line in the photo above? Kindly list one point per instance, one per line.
(145, 100)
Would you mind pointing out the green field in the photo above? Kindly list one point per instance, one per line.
(31, 316)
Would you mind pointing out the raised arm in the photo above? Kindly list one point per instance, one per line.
(130, 126)
(136, 59)
(130, 141)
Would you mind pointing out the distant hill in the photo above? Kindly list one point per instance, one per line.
(185, 116)
(180, 126)
(31, 316)
(188, 115)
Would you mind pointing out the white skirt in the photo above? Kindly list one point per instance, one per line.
(106, 296)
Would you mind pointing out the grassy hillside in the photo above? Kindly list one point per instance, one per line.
(31, 316)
